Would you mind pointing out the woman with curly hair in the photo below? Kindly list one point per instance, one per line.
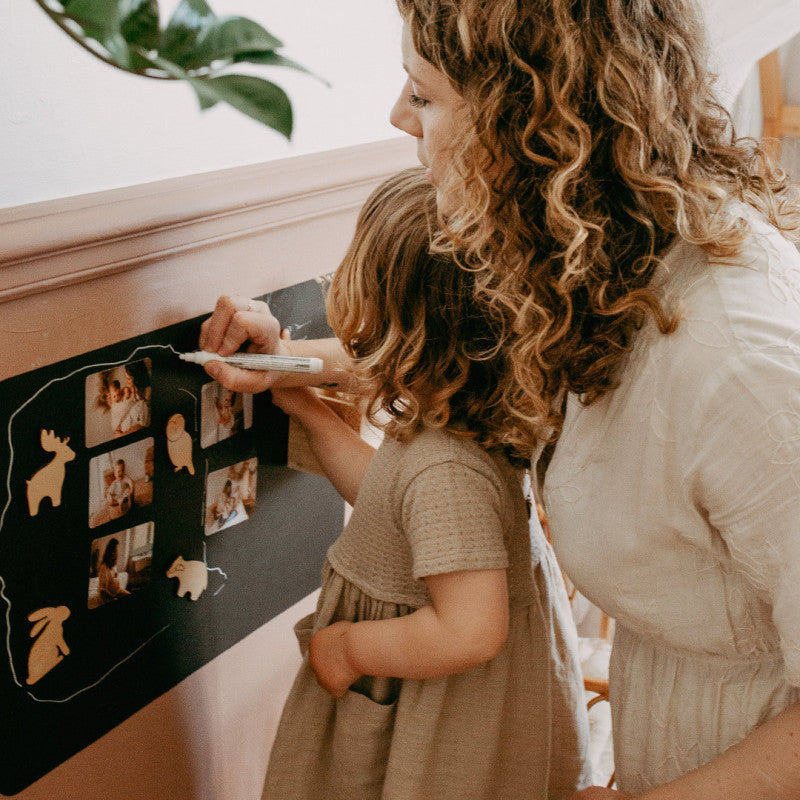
(640, 256)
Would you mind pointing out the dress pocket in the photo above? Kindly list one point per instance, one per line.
(304, 630)
(362, 737)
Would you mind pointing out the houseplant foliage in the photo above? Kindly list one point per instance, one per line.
(194, 46)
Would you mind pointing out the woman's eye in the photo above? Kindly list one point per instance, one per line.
(417, 101)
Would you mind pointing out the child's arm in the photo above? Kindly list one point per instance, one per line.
(339, 450)
(466, 625)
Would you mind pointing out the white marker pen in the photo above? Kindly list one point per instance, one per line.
(257, 361)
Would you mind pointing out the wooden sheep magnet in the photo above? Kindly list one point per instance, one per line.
(49, 480)
(192, 577)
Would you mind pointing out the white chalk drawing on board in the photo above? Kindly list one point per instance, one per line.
(179, 444)
(50, 649)
(3, 595)
(49, 480)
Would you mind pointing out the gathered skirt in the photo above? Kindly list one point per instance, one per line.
(509, 729)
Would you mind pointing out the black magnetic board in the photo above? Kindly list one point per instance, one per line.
(228, 508)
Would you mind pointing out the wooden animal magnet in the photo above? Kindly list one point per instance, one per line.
(179, 444)
(50, 648)
(192, 577)
(49, 480)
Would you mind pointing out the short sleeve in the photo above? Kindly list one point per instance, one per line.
(746, 477)
(453, 517)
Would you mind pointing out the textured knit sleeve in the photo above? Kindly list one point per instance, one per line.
(453, 517)
(744, 471)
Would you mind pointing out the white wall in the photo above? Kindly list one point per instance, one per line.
(72, 125)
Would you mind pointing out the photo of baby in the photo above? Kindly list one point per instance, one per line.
(120, 564)
(223, 413)
(117, 401)
(230, 495)
(120, 480)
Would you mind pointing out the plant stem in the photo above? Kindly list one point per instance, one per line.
(59, 19)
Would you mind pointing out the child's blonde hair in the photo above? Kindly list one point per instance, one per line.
(409, 319)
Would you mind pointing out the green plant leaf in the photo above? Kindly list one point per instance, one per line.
(205, 95)
(101, 21)
(180, 35)
(139, 23)
(270, 58)
(119, 51)
(223, 39)
(255, 97)
(96, 14)
(195, 47)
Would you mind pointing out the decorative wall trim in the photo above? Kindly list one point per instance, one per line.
(59, 242)
(85, 271)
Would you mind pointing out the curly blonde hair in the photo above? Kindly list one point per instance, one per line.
(421, 342)
(594, 141)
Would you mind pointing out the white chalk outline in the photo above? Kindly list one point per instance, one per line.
(214, 569)
(102, 677)
(8, 504)
(186, 391)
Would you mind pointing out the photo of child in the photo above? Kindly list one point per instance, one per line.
(119, 493)
(231, 495)
(120, 564)
(117, 401)
(223, 413)
(120, 480)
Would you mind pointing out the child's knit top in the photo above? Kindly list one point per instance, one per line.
(437, 504)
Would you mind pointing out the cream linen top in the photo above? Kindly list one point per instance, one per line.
(674, 503)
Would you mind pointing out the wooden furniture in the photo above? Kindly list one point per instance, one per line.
(780, 119)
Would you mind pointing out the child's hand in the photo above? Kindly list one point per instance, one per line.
(328, 659)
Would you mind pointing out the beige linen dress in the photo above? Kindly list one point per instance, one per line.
(509, 729)
(674, 504)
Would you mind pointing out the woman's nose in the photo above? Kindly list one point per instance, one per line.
(403, 114)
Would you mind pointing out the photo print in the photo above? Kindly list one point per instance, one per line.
(120, 564)
(230, 495)
(223, 413)
(119, 481)
(117, 401)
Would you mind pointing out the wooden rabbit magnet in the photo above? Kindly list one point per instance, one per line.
(50, 648)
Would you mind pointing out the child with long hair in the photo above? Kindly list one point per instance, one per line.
(438, 663)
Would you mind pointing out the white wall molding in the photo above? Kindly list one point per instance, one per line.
(90, 270)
